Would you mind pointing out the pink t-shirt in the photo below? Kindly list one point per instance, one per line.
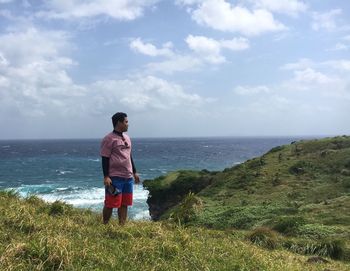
(118, 150)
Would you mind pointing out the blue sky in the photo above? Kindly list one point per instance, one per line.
(177, 68)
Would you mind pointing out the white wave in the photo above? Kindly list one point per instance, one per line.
(77, 197)
(26, 190)
(63, 172)
(94, 160)
(62, 188)
(92, 198)
(140, 192)
(144, 215)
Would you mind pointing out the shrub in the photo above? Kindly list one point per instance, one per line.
(187, 209)
(298, 168)
(264, 237)
(11, 193)
(276, 149)
(334, 249)
(289, 225)
(256, 163)
(59, 208)
(34, 200)
(317, 231)
(347, 163)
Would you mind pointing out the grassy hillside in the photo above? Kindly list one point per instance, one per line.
(39, 236)
(301, 191)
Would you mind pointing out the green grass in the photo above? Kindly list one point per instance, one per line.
(301, 190)
(270, 213)
(35, 235)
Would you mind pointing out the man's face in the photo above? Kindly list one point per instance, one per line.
(123, 125)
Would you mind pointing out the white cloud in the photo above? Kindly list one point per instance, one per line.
(117, 9)
(347, 38)
(223, 16)
(207, 51)
(5, 1)
(290, 7)
(149, 49)
(178, 63)
(311, 76)
(210, 49)
(25, 47)
(3, 61)
(305, 64)
(267, 106)
(339, 47)
(251, 90)
(318, 86)
(325, 20)
(188, 2)
(302, 63)
(342, 65)
(34, 75)
(35, 82)
(236, 44)
(144, 93)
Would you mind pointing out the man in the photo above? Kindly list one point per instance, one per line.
(118, 169)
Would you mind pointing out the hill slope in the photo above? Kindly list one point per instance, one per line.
(301, 190)
(38, 236)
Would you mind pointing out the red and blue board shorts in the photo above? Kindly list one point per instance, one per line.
(125, 197)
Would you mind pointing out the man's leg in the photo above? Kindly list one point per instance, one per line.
(122, 214)
(107, 213)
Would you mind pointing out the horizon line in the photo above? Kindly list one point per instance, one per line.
(179, 137)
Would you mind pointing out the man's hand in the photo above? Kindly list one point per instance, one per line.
(136, 178)
(107, 181)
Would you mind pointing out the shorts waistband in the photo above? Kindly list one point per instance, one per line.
(117, 178)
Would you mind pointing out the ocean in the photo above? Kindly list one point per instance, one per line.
(70, 170)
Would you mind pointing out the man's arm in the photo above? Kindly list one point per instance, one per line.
(105, 167)
(136, 176)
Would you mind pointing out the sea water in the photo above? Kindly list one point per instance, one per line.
(70, 170)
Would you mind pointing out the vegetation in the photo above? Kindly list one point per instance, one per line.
(286, 210)
(35, 235)
(300, 191)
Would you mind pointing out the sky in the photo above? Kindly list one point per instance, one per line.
(178, 68)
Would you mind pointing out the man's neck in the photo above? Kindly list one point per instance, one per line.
(118, 132)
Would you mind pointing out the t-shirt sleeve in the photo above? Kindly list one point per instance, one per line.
(106, 147)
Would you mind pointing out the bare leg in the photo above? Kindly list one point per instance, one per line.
(122, 214)
(107, 213)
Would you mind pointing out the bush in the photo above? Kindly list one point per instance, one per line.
(11, 193)
(276, 149)
(289, 225)
(187, 209)
(298, 168)
(347, 163)
(59, 208)
(35, 200)
(317, 231)
(264, 237)
(334, 249)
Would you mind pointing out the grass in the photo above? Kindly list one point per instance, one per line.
(34, 237)
(272, 212)
(301, 191)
